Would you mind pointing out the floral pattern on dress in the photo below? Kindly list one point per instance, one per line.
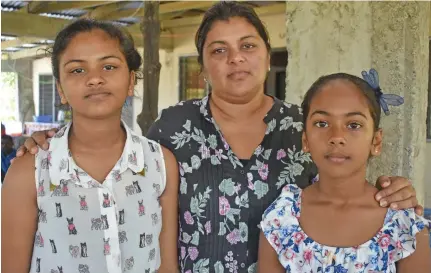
(221, 197)
(299, 253)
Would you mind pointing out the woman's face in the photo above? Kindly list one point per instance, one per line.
(235, 59)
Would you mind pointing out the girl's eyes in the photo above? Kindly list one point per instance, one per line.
(77, 71)
(81, 70)
(321, 124)
(352, 125)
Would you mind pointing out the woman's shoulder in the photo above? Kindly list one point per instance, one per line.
(175, 119)
(289, 109)
(181, 109)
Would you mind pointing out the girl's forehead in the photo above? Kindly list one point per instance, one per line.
(94, 35)
(339, 93)
(91, 44)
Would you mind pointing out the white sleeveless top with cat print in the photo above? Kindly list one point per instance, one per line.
(88, 227)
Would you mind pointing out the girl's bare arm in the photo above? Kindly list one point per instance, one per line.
(169, 203)
(19, 216)
(268, 259)
(420, 260)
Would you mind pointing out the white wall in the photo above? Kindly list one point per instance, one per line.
(167, 95)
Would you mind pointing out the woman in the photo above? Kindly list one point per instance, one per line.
(235, 148)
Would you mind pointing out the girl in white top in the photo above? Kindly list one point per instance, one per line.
(82, 207)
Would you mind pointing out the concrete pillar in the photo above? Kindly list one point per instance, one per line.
(392, 37)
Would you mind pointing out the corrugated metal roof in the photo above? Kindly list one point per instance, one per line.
(13, 4)
(7, 37)
(72, 12)
(28, 45)
(123, 24)
(11, 49)
(129, 20)
(8, 8)
(45, 42)
(56, 15)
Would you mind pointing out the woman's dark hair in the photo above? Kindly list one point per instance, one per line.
(223, 11)
(64, 37)
(366, 89)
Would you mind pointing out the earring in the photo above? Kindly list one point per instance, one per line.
(269, 69)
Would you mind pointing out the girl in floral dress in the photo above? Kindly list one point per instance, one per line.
(334, 225)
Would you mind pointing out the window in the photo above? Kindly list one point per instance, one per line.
(49, 100)
(192, 84)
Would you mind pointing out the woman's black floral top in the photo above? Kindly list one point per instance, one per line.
(222, 198)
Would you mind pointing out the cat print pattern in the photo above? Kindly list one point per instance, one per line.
(84, 226)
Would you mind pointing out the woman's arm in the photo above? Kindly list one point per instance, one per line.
(19, 216)
(169, 203)
(267, 260)
(420, 260)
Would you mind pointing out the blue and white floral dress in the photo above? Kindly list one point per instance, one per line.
(300, 254)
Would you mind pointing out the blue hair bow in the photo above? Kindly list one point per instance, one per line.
(384, 100)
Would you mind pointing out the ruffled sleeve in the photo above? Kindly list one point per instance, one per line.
(405, 224)
(279, 220)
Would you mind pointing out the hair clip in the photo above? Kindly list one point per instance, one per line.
(372, 78)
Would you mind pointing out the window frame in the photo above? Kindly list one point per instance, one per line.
(54, 107)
